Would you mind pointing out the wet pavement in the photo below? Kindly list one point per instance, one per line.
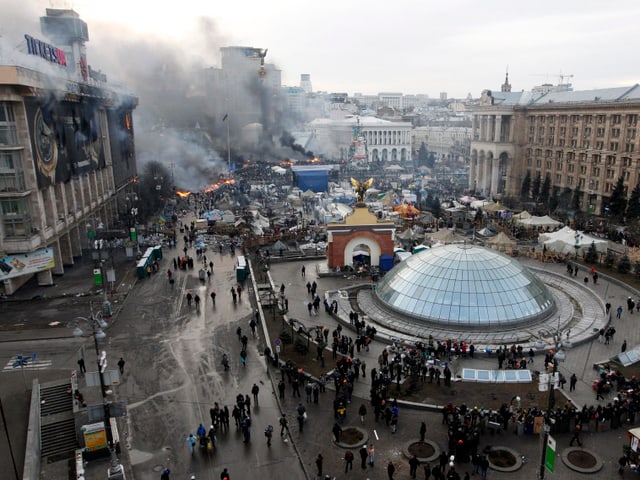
(173, 375)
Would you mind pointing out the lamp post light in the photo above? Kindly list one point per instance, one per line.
(115, 471)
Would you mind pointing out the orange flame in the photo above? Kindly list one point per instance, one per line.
(183, 194)
(214, 186)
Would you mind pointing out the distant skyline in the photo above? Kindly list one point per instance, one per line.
(412, 47)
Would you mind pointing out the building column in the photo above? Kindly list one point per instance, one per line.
(498, 129)
(486, 175)
(63, 253)
(495, 175)
(474, 126)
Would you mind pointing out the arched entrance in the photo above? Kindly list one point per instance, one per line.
(361, 247)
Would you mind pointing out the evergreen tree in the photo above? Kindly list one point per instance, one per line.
(592, 254)
(431, 160)
(609, 260)
(435, 207)
(618, 200)
(526, 187)
(633, 207)
(423, 155)
(535, 187)
(624, 265)
(545, 190)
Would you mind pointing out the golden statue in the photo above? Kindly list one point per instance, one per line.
(361, 187)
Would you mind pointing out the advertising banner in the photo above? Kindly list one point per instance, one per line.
(95, 437)
(66, 137)
(26, 263)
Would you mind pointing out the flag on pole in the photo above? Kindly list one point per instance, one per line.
(226, 116)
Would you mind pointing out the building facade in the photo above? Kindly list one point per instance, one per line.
(582, 140)
(379, 140)
(66, 151)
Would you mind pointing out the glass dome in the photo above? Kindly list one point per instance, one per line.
(465, 286)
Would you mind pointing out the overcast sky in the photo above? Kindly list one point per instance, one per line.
(410, 46)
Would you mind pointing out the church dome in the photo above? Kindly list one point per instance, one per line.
(465, 286)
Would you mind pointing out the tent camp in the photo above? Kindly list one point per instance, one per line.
(567, 240)
(446, 237)
(539, 222)
(500, 240)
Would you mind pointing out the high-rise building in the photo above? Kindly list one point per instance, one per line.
(66, 150)
(243, 87)
(305, 83)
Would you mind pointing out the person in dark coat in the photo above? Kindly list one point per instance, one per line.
(423, 431)
(391, 469)
(364, 454)
(413, 466)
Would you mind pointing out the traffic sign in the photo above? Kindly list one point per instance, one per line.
(550, 453)
(278, 342)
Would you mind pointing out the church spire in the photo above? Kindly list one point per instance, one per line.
(506, 86)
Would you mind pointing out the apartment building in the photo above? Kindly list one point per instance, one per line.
(583, 140)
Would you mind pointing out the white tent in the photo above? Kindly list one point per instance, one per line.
(522, 215)
(566, 240)
(541, 222)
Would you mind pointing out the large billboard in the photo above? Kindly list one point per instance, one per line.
(66, 138)
(26, 263)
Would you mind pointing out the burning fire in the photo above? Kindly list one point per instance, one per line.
(315, 160)
(183, 194)
(214, 186)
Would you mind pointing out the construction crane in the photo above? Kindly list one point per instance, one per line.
(562, 77)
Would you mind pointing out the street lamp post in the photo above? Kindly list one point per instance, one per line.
(115, 471)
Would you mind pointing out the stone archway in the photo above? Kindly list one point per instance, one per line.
(371, 244)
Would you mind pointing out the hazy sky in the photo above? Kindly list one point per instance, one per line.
(410, 46)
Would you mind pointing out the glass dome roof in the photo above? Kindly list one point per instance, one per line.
(465, 286)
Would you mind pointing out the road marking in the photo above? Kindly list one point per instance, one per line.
(31, 365)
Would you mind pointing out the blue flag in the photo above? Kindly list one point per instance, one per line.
(226, 116)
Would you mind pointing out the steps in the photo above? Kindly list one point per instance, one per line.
(57, 424)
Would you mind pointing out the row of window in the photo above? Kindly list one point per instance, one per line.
(16, 212)
(615, 119)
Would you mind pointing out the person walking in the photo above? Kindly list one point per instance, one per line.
(372, 455)
(225, 475)
(303, 270)
(362, 411)
(484, 466)
(348, 461)
(81, 365)
(284, 424)
(213, 297)
(254, 391)
(423, 431)
(281, 387)
(165, 474)
(121, 363)
(413, 466)
(268, 432)
(576, 436)
(319, 460)
(391, 469)
(196, 299)
(191, 442)
(572, 382)
(337, 431)
(623, 348)
(364, 454)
